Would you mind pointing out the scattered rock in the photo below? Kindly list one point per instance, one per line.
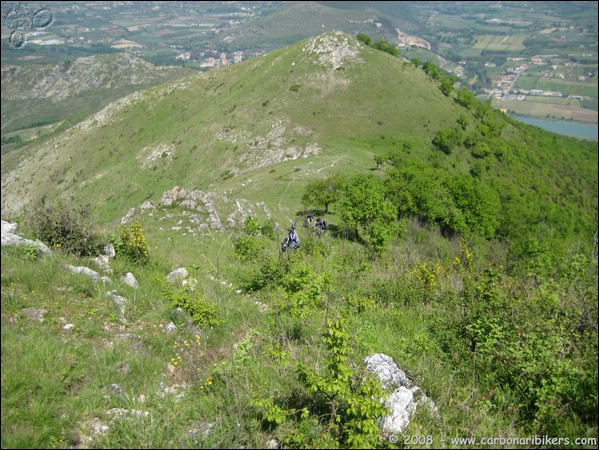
(9, 237)
(130, 279)
(35, 313)
(85, 271)
(120, 412)
(97, 427)
(110, 251)
(385, 368)
(177, 274)
(120, 302)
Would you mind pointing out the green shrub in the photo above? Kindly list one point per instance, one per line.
(191, 301)
(70, 230)
(271, 273)
(131, 243)
(340, 406)
(246, 248)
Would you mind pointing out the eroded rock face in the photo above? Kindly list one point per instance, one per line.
(406, 397)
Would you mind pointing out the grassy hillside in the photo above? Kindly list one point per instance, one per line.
(461, 243)
(35, 94)
(323, 96)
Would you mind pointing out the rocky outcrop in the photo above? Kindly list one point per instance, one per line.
(404, 400)
(10, 237)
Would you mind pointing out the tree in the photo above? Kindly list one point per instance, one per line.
(466, 98)
(431, 70)
(380, 160)
(447, 83)
(443, 140)
(367, 213)
(323, 192)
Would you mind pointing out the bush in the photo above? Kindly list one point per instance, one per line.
(202, 312)
(131, 243)
(68, 229)
(246, 248)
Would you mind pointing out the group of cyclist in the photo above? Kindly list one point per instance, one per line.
(319, 226)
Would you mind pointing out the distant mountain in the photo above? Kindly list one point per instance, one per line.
(293, 21)
(34, 94)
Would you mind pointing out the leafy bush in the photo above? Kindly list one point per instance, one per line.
(324, 192)
(131, 243)
(246, 248)
(187, 298)
(367, 213)
(364, 38)
(386, 47)
(271, 273)
(68, 229)
(339, 408)
(251, 226)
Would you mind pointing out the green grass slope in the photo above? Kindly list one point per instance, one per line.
(328, 96)
(35, 94)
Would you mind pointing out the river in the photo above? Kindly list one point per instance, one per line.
(566, 127)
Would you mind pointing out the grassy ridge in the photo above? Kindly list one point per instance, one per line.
(235, 118)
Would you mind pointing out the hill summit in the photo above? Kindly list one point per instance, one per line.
(309, 99)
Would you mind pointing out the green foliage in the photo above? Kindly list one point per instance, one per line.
(246, 248)
(202, 312)
(380, 160)
(431, 70)
(70, 230)
(380, 44)
(367, 213)
(527, 348)
(386, 47)
(342, 403)
(349, 398)
(131, 243)
(303, 291)
(463, 121)
(270, 273)
(267, 229)
(30, 252)
(477, 204)
(447, 84)
(447, 139)
(251, 226)
(466, 98)
(364, 38)
(459, 204)
(323, 192)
